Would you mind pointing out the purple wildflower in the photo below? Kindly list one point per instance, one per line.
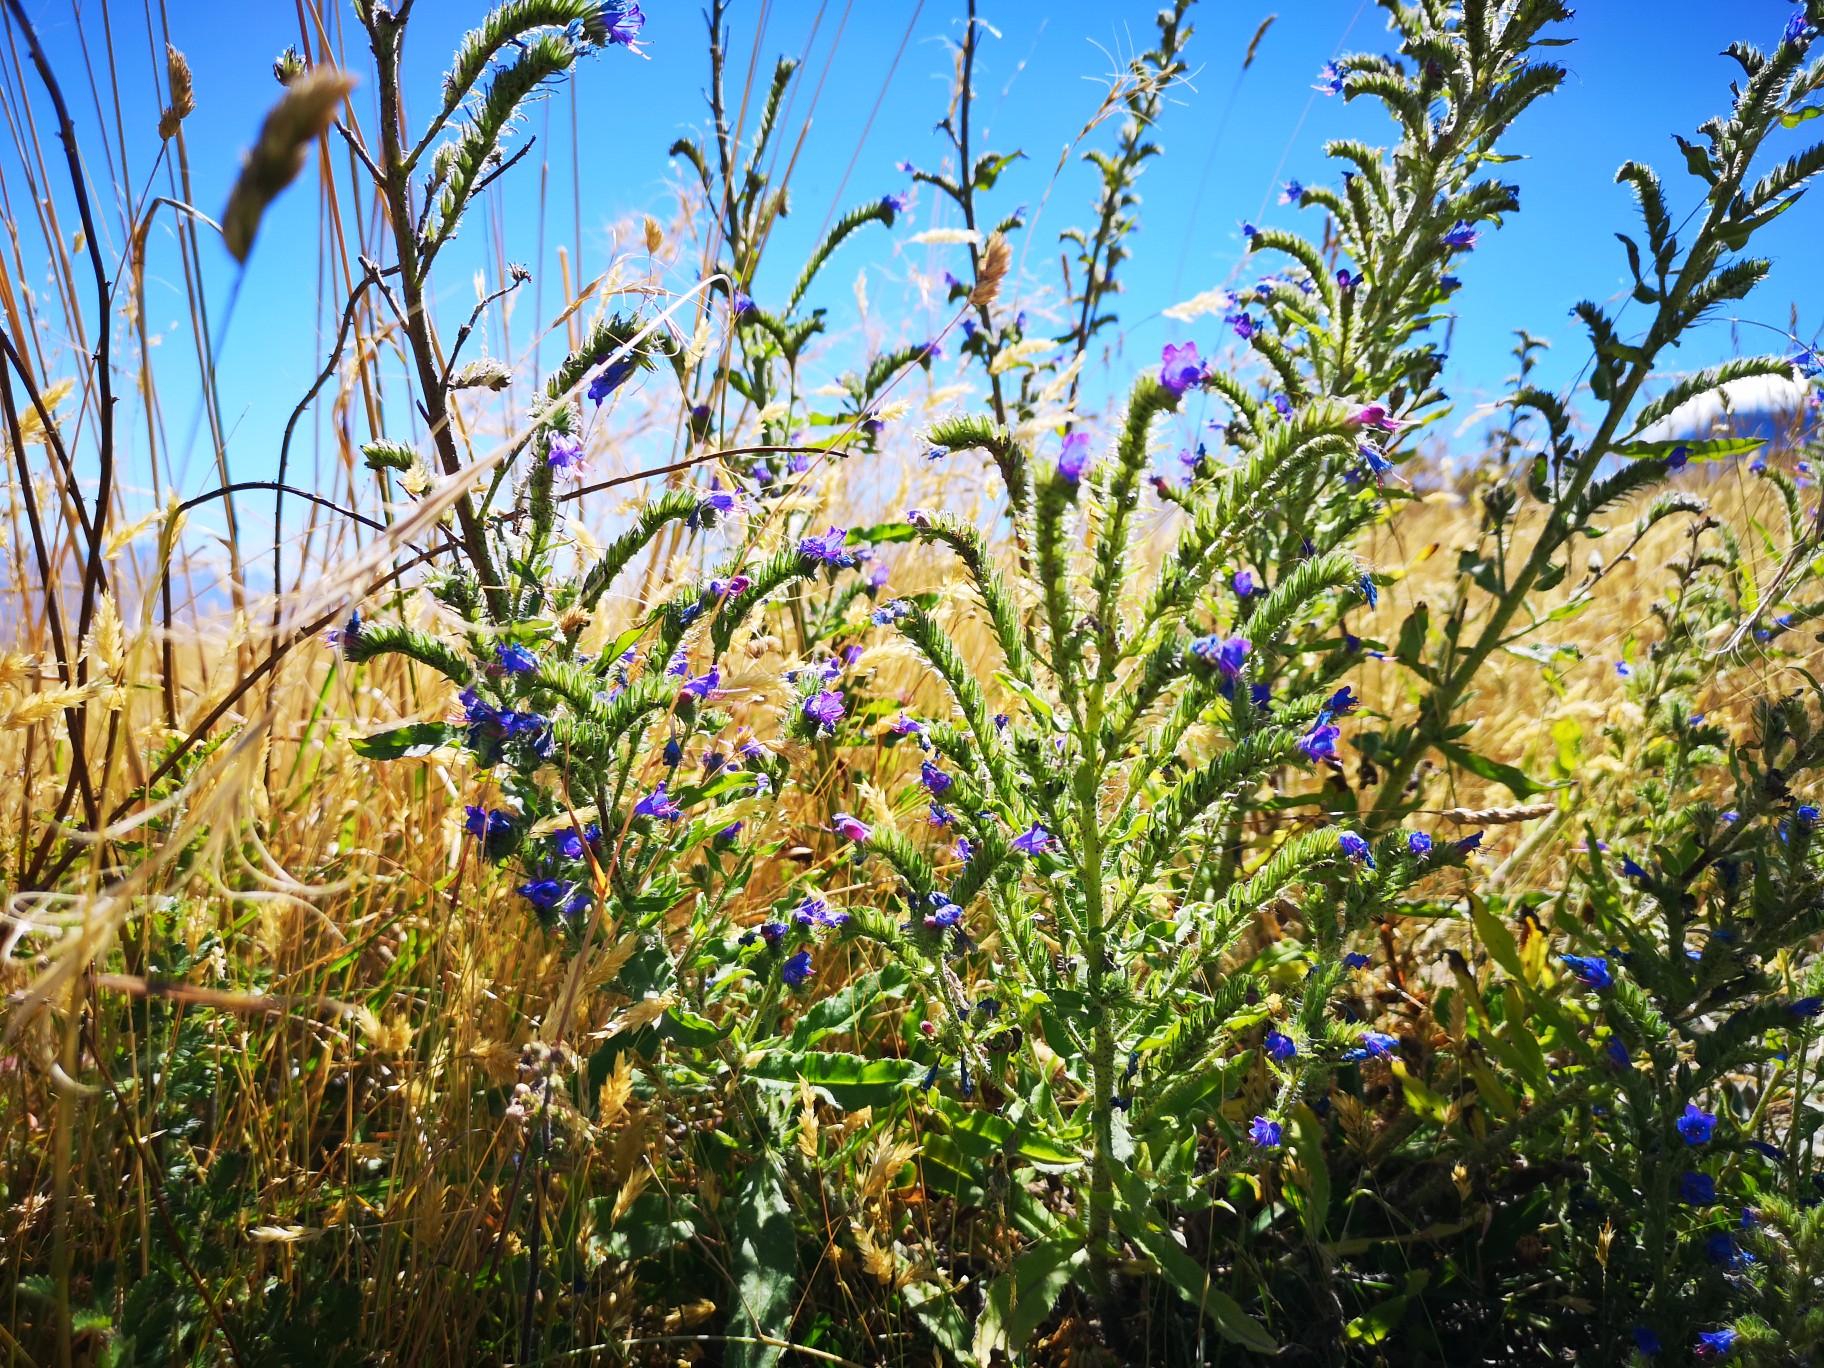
(828, 548)
(564, 454)
(1266, 1134)
(1074, 457)
(656, 804)
(934, 778)
(1180, 367)
(612, 377)
(1419, 843)
(1355, 847)
(796, 970)
(705, 686)
(1461, 237)
(825, 708)
(1280, 1046)
(852, 828)
(511, 658)
(1033, 841)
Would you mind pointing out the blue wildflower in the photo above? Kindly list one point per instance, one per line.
(612, 377)
(889, 612)
(934, 778)
(1469, 843)
(1591, 970)
(796, 970)
(1366, 588)
(727, 835)
(1696, 1188)
(896, 204)
(1374, 1044)
(512, 658)
(1266, 1134)
(704, 686)
(1718, 1342)
(1461, 237)
(1292, 193)
(851, 828)
(1280, 1046)
(1618, 1053)
(1243, 583)
(494, 829)
(1808, 1007)
(1355, 847)
(1074, 457)
(1320, 742)
(1696, 1125)
(1419, 843)
(1722, 1250)
(940, 816)
(1796, 27)
(1356, 960)
(1329, 79)
(1678, 457)
(1033, 841)
(656, 804)
(965, 849)
(1227, 654)
(1647, 1342)
(543, 894)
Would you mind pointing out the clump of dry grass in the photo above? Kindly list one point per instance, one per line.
(199, 870)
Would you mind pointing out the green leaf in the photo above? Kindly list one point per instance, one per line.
(1307, 1144)
(982, 1135)
(654, 1223)
(1513, 780)
(1190, 1280)
(1023, 1296)
(841, 1010)
(1710, 449)
(1799, 116)
(1381, 1322)
(1496, 938)
(420, 738)
(843, 1080)
(765, 1267)
(687, 1028)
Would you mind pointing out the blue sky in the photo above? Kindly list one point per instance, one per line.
(875, 83)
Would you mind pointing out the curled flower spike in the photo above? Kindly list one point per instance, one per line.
(1180, 367)
(852, 828)
(1696, 1125)
(1266, 1134)
(1590, 970)
(1074, 458)
(657, 805)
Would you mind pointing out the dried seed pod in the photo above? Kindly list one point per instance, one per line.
(183, 94)
(302, 115)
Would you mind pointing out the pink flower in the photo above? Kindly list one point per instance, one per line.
(852, 828)
(1375, 416)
